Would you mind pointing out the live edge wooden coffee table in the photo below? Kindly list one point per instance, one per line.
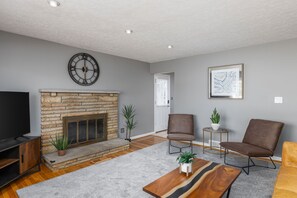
(208, 179)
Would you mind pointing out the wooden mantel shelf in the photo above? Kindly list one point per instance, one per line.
(76, 91)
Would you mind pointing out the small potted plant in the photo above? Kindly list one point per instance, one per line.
(185, 161)
(60, 142)
(215, 119)
(128, 111)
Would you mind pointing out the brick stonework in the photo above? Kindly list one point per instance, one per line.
(55, 105)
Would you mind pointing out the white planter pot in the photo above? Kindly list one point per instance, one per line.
(215, 126)
(186, 167)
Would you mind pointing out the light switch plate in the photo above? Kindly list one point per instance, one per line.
(278, 100)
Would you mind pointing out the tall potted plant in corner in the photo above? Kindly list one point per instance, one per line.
(60, 142)
(185, 162)
(215, 119)
(128, 112)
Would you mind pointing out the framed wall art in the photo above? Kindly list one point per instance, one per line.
(226, 81)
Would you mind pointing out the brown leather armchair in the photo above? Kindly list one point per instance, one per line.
(180, 128)
(260, 140)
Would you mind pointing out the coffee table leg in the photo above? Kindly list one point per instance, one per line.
(228, 193)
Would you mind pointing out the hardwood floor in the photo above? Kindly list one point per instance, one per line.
(10, 190)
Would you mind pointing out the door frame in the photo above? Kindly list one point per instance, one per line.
(155, 95)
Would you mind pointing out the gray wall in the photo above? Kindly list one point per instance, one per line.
(270, 70)
(28, 64)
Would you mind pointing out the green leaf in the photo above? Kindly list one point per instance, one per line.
(128, 112)
(186, 157)
(215, 117)
(60, 142)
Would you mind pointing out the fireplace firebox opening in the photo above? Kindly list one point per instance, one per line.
(85, 129)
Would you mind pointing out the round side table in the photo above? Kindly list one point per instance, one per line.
(212, 132)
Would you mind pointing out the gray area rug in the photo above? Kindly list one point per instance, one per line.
(126, 175)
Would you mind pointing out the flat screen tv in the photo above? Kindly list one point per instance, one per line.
(14, 114)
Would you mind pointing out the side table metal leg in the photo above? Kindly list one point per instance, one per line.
(220, 145)
(228, 140)
(210, 139)
(203, 142)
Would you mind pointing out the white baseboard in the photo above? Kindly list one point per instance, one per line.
(277, 158)
(142, 135)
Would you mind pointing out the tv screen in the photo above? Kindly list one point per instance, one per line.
(14, 114)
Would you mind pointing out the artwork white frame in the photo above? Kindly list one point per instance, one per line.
(225, 81)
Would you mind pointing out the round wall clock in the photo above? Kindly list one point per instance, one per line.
(83, 69)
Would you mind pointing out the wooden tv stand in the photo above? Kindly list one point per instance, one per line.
(18, 157)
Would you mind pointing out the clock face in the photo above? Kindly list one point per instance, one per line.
(83, 69)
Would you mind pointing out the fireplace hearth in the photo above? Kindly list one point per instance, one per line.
(85, 129)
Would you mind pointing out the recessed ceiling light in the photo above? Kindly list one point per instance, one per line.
(169, 46)
(129, 31)
(53, 3)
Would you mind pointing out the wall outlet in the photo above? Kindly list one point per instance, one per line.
(278, 100)
(122, 130)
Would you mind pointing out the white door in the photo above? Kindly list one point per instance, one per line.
(162, 101)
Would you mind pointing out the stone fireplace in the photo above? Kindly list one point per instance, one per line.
(91, 116)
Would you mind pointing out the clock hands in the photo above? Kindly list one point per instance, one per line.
(85, 70)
